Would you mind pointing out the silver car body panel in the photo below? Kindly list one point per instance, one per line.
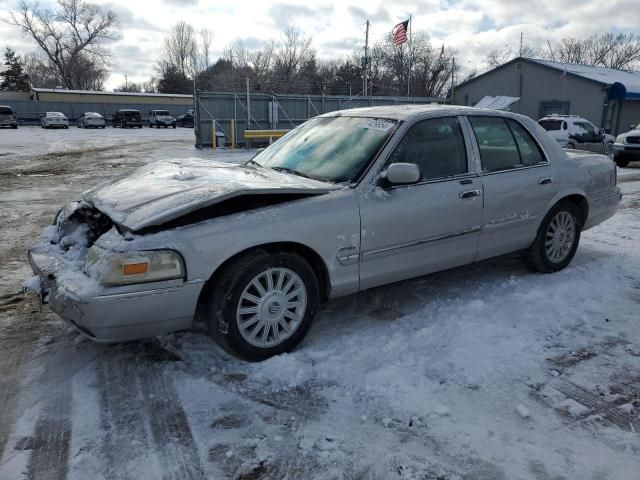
(363, 235)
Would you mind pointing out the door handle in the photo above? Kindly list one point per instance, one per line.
(545, 181)
(470, 194)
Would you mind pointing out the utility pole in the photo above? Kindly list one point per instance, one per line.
(365, 86)
(126, 85)
(453, 70)
(248, 127)
(521, 36)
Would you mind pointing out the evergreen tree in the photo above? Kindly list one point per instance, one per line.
(13, 76)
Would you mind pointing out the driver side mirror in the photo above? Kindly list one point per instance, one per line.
(401, 174)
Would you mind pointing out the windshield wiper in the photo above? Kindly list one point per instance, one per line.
(292, 172)
(252, 162)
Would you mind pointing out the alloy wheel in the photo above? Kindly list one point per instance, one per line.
(271, 307)
(560, 236)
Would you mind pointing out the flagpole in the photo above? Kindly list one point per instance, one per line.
(409, 72)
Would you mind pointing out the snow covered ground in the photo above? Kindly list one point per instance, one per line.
(483, 372)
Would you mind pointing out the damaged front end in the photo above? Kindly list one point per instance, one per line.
(108, 292)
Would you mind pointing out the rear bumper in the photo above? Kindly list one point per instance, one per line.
(110, 317)
(8, 123)
(603, 208)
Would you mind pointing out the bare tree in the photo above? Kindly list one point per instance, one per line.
(180, 49)
(612, 50)
(289, 54)
(206, 37)
(72, 36)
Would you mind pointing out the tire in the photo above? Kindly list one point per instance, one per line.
(621, 162)
(608, 149)
(174, 125)
(225, 298)
(564, 220)
(15, 127)
(571, 146)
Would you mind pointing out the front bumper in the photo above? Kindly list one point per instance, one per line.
(114, 314)
(626, 150)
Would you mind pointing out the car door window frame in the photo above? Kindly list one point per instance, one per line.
(476, 147)
(471, 161)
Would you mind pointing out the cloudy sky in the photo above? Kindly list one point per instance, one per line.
(472, 27)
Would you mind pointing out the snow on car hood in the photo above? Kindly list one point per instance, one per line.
(166, 190)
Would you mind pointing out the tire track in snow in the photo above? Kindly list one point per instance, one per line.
(50, 455)
(141, 417)
(170, 429)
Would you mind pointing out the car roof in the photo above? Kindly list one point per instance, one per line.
(411, 112)
(129, 110)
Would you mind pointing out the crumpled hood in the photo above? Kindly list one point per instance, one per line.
(166, 190)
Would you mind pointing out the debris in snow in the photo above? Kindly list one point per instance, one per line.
(573, 408)
(442, 410)
(555, 373)
(386, 421)
(523, 411)
(32, 284)
(306, 443)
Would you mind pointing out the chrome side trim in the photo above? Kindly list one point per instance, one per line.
(377, 251)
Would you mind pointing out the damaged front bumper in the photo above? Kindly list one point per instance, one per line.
(114, 314)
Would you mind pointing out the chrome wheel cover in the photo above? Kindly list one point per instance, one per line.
(560, 236)
(271, 307)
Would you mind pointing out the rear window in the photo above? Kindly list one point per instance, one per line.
(161, 112)
(6, 111)
(549, 125)
(131, 114)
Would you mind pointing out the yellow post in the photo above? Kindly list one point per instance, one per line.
(213, 134)
(233, 133)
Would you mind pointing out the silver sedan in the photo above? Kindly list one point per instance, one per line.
(345, 202)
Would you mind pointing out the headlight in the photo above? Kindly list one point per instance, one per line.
(114, 268)
(620, 139)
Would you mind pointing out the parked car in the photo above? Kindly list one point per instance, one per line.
(348, 201)
(575, 132)
(627, 147)
(161, 118)
(185, 120)
(54, 120)
(127, 117)
(91, 120)
(8, 117)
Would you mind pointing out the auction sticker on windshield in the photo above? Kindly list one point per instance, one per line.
(377, 124)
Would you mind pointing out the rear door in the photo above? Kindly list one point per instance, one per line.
(517, 181)
(412, 230)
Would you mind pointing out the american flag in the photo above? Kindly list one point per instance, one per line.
(399, 33)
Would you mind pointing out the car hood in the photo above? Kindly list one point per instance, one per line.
(163, 191)
(632, 133)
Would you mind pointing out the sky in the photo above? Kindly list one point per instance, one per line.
(470, 27)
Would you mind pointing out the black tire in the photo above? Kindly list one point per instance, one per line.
(621, 162)
(15, 127)
(536, 255)
(223, 297)
(174, 125)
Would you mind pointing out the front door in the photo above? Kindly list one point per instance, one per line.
(412, 230)
(518, 185)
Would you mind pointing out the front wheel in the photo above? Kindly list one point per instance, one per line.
(263, 304)
(557, 239)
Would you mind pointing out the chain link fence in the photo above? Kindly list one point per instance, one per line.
(226, 116)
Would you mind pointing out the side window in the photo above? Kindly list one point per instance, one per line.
(498, 149)
(530, 152)
(436, 146)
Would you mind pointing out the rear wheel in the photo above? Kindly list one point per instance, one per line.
(557, 240)
(263, 304)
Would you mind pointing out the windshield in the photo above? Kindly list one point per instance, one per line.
(55, 114)
(549, 125)
(92, 114)
(335, 149)
(162, 113)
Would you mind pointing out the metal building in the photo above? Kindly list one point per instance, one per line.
(29, 106)
(608, 98)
